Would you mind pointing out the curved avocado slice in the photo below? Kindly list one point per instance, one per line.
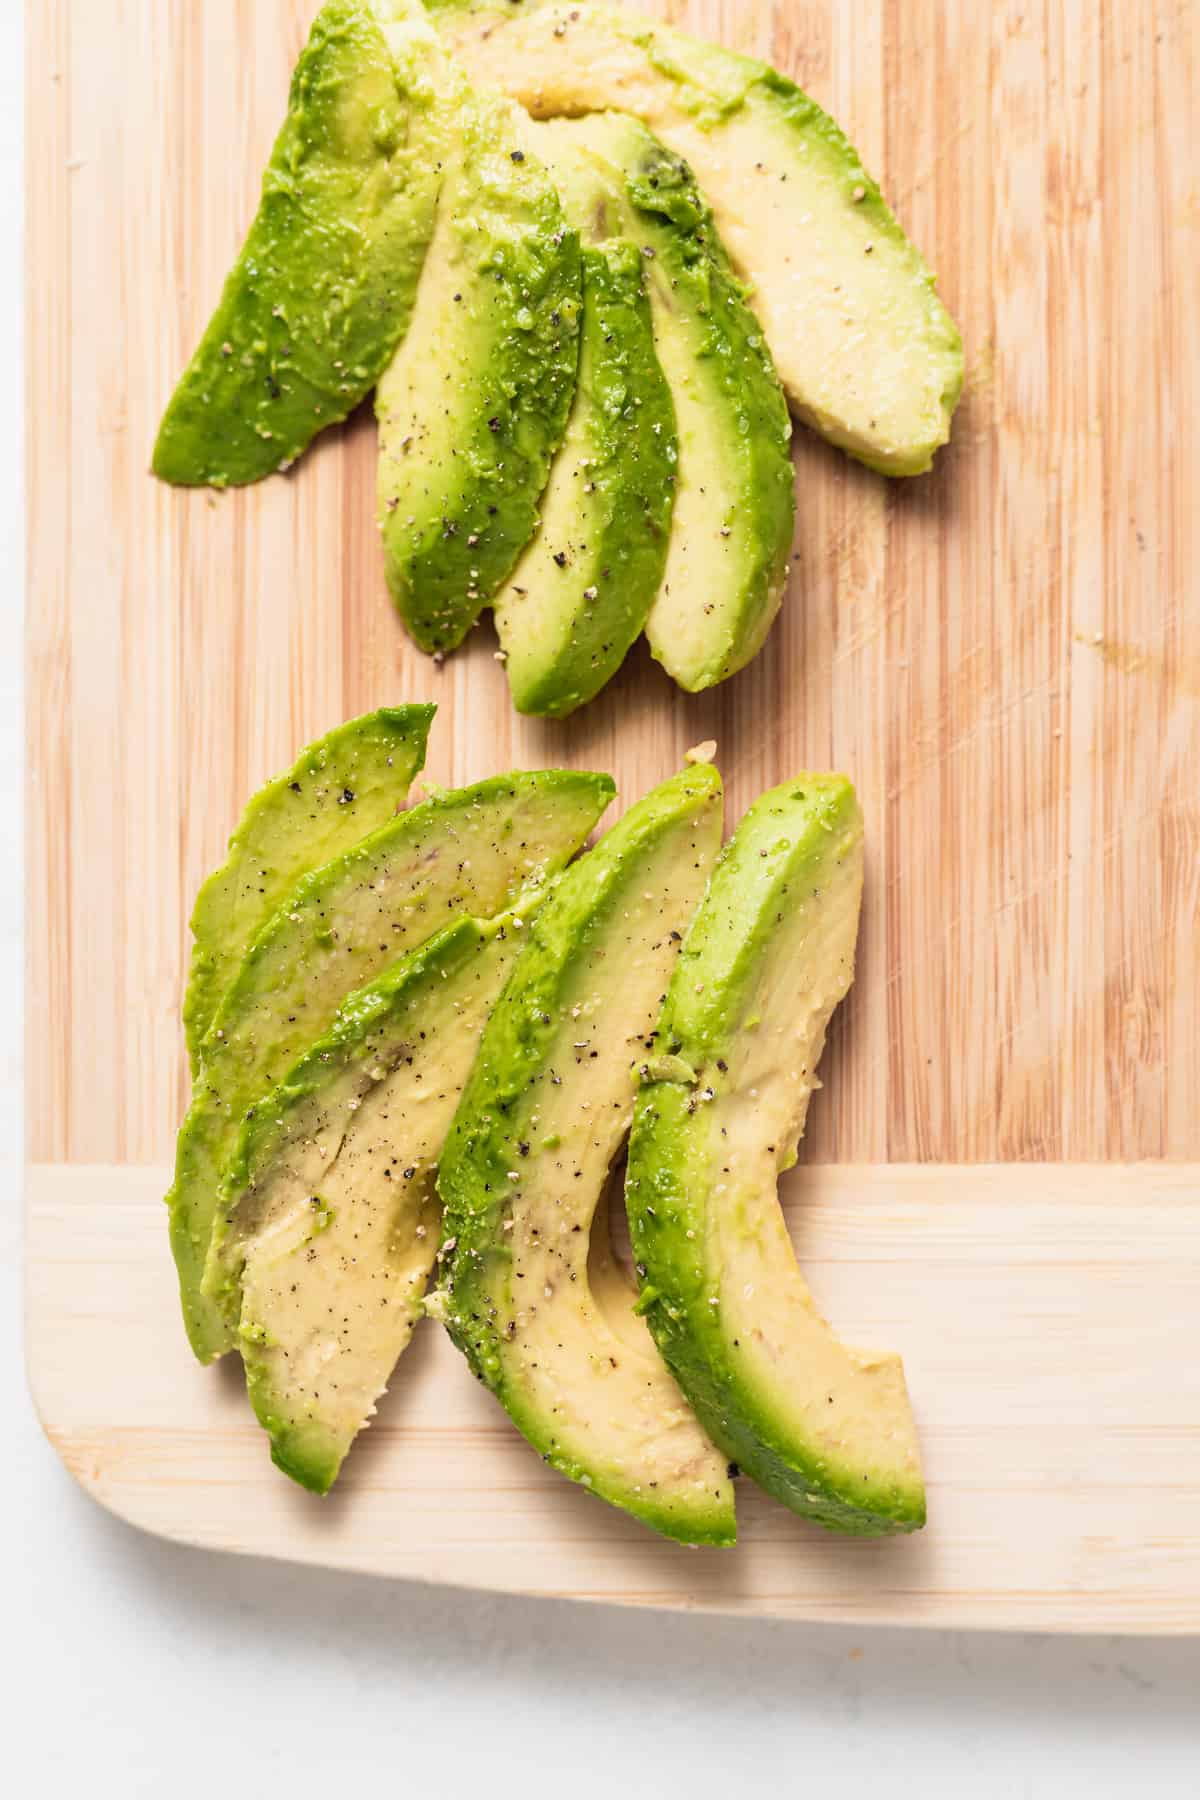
(323, 288)
(469, 851)
(541, 1122)
(473, 406)
(826, 1429)
(343, 787)
(866, 350)
(731, 532)
(329, 1220)
(579, 595)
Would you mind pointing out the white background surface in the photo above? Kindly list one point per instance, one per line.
(130, 1666)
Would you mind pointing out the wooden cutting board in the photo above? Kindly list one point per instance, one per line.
(1002, 1178)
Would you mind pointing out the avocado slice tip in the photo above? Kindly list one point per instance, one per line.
(826, 1429)
(554, 1332)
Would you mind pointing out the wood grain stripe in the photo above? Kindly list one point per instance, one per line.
(1004, 653)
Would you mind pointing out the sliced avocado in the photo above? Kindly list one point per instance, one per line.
(342, 788)
(542, 1120)
(731, 533)
(826, 1429)
(473, 406)
(579, 595)
(323, 288)
(470, 851)
(866, 350)
(329, 1218)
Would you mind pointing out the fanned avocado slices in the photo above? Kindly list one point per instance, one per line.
(329, 1223)
(526, 1161)
(731, 531)
(474, 405)
(826, 1429)
(470, 851)
(343, 787)
(323, 288)
(866, 350)
(580, 592)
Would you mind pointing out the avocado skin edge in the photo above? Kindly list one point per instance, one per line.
(302, 1448)
(634, 452)
(713, 83)
(732, 357)
(669, 1162)
(657, 1184)
(336, 1049)
(801, 112)
(192, 1196)
(479, 1147)
(392, 735)
(447, 552)
(265, 1127)
(323, 286)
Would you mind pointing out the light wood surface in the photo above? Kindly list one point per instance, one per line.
(1048, 1319)
(1004, 654)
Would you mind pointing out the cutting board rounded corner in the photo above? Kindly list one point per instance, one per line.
(998, 655)
(1062, 1491)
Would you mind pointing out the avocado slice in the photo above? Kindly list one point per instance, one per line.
(343, 787)
(329, 1217)
(527, 1159)
(867, 352)
(826, 1429)
(468, 851)
(324, 286)
(580, 592)
(474, 404)
(731, 533)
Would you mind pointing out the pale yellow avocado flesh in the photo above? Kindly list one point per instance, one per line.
(701, 597)
(853, 1404)
(549, 1326)
(702, 583)
(824, 1427)
(419, 392)
(580, 1356)
(580, 591)
(865, 349)
(340, 1235)
(527, 611)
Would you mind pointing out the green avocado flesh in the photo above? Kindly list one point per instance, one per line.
(474, 405)
(527, 1159)
(731, 532)
(326, 280)
(866, 350)
(329, 1215)
(467, 852)
(579, 595)
(342, 788)
(826, 1429)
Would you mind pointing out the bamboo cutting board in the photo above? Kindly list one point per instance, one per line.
(1002, 1178)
